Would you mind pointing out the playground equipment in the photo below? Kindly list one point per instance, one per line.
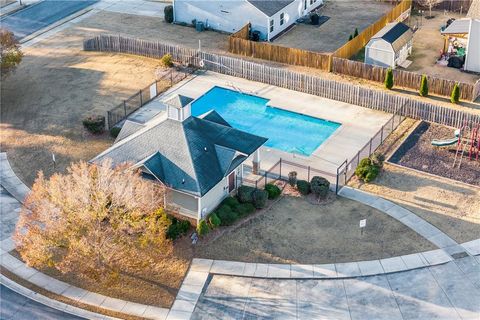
(468, 139)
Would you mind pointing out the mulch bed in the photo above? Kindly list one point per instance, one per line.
(417, 152)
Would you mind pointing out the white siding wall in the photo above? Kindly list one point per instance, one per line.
(472, 62)
(213, 197)
(379, 53)
(187, 204)
(227, 16)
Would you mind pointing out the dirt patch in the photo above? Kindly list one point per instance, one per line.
(418, 153)
(428, 45)
(295, 231)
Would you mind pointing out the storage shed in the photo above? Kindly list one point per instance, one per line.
(391, 46)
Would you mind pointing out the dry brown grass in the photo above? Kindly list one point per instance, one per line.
(296, 231)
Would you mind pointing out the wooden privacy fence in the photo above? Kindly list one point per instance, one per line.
(331, 89)
(239, 43)
(356, 44)
(404, 78)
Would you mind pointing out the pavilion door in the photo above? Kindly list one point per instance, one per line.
(231, 182)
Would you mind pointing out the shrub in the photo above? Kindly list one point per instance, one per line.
(367, 170)
(259, 198)
(214, 220)
(350, 38)
(273, 191)
(167, 61)
(226, 215)
(231, 202)
(245, 194)
(245, 209)
(377, 159)
(320, 186)
(202, 228)
(423, 86)
(292, 178)
(455, 96)
(115, 131)
(355, 34)
(168, 13)
(389, 79)
(177, 228)
(94, 124)
(303, 187)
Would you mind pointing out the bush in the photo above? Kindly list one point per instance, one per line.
(377, 159)
(177, 228)
(168, 13)
(231, 202)
(202, 228)
(273, 191)
(259, 198)
(94, 124)
(303, 187)
(389, 79)
(423, 86)
(350, 38)
(320, 186)
(292, 178)
(115, 131)
(245, 194)
(367, 170)
(214, 220)
(245, 209)
(226, 215)
(166, 61)
(455, 96)
(355, 34)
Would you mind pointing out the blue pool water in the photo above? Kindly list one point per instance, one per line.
(285, 130)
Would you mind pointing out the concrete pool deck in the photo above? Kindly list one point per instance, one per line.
(359, 124)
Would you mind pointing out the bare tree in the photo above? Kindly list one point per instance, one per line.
(428, 3)
(92, 220)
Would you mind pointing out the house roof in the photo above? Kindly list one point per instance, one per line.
(213, 116)
(270, 7)
(395, 33)
(190, 156)
(129, 127)
(458, 26)
(178, 101)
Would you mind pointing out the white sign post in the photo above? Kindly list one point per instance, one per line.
(53, 160)
(363, 224)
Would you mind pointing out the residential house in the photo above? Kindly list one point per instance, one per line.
(199, 159)
(268, 17)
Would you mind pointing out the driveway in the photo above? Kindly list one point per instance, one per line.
(37, 16)
(449, 291)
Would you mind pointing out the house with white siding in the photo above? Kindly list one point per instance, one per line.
(198, 159)
(268, 17)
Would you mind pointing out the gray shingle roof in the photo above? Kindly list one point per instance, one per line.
(178, 101)
(270, 7)
(128, 128)
(191, 156)
(213, 116)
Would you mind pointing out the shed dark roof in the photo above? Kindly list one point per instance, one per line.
(191, 156)
(395, 33)
(270, 7)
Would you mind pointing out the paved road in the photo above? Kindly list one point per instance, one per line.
(39, 15)
(16, 306)
(449, 291)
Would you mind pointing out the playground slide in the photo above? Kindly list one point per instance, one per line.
(444, 143)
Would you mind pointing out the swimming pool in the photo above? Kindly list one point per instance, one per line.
(287, 131)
